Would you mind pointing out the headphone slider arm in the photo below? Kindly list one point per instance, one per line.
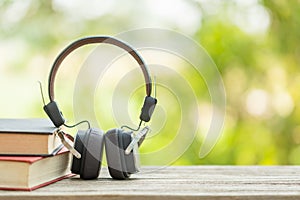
(136, 139)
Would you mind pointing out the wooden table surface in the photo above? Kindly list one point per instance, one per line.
(192, 182)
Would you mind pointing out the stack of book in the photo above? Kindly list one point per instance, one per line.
(31, 154)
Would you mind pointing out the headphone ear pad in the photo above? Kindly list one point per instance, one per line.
(91, 154)
(115, 160)
(78, 145)
(120, 165)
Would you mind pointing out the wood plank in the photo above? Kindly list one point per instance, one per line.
(192, 182)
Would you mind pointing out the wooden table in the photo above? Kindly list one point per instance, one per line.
(193, 182)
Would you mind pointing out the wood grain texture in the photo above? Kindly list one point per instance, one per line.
(193, 182)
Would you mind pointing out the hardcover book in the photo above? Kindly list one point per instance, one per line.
(32, 172)
(28, 137)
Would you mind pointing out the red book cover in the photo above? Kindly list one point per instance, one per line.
(63, 163)
(27, 159)
(38, 186)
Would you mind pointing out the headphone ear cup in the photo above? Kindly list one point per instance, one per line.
(120, 165)
(115, 160)
(91, 149)
(132, 160)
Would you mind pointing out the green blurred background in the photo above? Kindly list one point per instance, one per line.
(255, 45)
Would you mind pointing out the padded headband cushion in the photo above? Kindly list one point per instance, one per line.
(92, 40)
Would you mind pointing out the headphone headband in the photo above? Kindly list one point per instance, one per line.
(52, 109)
(92, 40)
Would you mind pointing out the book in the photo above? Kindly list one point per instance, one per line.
(28, 137)
(32, 172)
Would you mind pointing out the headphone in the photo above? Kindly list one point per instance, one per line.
(87, 152)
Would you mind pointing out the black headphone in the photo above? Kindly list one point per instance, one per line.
(89, 144)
